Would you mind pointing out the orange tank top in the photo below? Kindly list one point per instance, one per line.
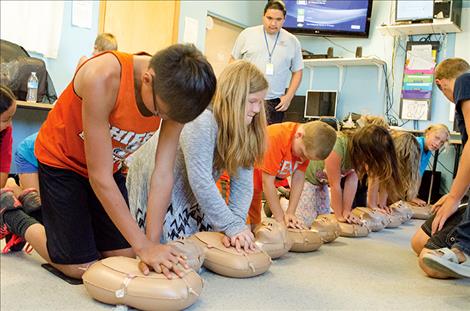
(60, 139)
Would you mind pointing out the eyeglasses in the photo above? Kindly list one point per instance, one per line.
(155, 107)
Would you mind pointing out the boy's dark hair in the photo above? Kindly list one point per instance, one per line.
(6, 98)
(184, 80)
(275, 5)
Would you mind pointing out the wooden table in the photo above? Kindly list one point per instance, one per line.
(34, 106)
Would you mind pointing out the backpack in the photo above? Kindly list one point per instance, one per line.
(16, 66)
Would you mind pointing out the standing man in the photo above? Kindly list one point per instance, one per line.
(275, 52)
(447, 252)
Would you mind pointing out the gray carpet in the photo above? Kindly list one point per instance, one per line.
(375, 273)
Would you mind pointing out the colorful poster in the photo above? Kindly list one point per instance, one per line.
(418, 80)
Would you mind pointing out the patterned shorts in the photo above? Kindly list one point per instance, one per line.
(314, 201)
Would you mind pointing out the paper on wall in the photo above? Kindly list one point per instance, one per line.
(414, 109)
(191, 28)
(82, 14)
(420, 57)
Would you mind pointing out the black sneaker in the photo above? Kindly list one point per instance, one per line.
(8, 202)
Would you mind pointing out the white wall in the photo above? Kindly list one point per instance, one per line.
(239, 12)
(462, 39)
(359, 93)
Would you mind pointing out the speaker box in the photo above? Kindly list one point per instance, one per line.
(359, 52)
(330, 52)
(423, 193)
(448, 9)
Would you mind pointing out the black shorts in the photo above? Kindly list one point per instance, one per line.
(446, 236)
(77, 226)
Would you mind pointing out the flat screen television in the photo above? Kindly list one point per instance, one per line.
(320, 104)
(346, 18)
(414, 10)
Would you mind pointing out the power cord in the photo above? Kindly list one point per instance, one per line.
(339, 45)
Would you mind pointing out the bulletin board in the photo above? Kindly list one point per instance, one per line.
(418, 80)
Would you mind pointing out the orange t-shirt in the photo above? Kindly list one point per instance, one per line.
(279, 160)
(60, 139)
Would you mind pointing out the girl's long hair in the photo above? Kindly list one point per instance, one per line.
(7, 98)
(408, 154)
(238, 145)
(372, 152)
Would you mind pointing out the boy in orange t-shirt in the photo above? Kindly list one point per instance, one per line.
(290, 148)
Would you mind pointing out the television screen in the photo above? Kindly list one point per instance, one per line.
(328, 17)
(414, 10)
(320, 103)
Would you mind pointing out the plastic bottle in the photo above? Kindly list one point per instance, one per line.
(33, 83)
(349, 124)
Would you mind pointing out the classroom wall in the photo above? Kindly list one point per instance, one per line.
(359, 92)
(241, 13)
(74, 43)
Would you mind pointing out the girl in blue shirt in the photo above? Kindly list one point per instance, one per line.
(435, 136)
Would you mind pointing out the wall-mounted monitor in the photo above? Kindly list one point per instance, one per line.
(414, 10)
(320, 104)
(347, 18)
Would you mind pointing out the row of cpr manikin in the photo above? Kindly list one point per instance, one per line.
(118, 280)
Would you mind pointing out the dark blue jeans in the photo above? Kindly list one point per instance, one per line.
(273, 116)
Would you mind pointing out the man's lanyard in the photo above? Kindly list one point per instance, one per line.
(270, 53)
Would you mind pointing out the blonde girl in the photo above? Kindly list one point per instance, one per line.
(435, 137)
(230, 136)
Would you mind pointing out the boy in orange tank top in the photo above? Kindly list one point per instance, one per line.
(113, 105)
(290, 148)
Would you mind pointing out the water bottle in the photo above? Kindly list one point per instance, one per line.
(33, 83)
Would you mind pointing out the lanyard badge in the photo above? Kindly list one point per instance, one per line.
(269, 71)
